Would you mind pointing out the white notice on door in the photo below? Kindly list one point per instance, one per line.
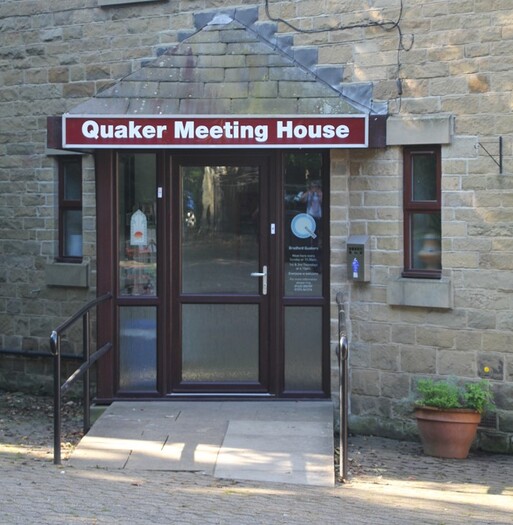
(138, 229)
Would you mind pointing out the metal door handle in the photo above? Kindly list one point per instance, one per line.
(262, 274)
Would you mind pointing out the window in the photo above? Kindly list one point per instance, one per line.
(422, 212)
(70, 209)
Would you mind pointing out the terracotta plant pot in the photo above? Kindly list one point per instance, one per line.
(447, 433)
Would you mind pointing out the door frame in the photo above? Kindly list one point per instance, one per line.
(106, 198)
(175, 385)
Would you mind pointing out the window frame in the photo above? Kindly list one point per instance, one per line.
(66, 205)
(411, 206)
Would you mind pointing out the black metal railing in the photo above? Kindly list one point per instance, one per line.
(343, 373)
(83, 370)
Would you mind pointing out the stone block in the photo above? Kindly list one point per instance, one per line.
(232, 90)
(482, 320)
(374, 332)
(440, 338)
(403, 334)
(78, 90)
(490, 366)
(460, 260)
(365, 382)
(384, 357)
(359, 356)
(503, 396)
(451, 363)
(395, 386)
(418, 360)
(370, 406)
(494, 442)
(265, 89)
(302, 89)
(224, 61)
(272, 106)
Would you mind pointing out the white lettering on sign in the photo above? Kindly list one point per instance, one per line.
(92, 130)
(188, 131)
(313, 131)
(229, 130)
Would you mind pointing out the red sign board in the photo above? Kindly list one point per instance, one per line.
(227, 131)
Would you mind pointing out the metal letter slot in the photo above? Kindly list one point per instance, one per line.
(262, 274)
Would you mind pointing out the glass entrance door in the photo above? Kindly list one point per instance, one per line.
(222, 277)
(221, 274)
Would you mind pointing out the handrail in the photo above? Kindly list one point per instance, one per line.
(343, 381)
(88, 361)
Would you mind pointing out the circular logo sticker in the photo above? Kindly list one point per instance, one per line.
(303, 226)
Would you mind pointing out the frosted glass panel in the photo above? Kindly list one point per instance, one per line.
(426, 233)
(138, 348)
(220, 343)
(303, 348)
(72, 220)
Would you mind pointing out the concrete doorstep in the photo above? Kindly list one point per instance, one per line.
(287, 442)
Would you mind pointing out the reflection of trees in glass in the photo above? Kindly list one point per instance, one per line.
(223, 249)
(225, 198)
(300, 169)
(137, 191)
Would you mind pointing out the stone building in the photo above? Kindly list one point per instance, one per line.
(228, 169)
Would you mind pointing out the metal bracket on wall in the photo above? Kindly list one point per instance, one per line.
(499, 162)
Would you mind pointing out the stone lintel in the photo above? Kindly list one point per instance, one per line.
(424, 129)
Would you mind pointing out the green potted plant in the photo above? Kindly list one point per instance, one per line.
(448, 415)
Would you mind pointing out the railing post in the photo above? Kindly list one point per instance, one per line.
(86, 350)
(344, 381)
(55, 345)
(343, 377)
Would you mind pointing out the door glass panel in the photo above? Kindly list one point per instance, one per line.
(303, 348)
(220, 237)
(138, 348)
(137, 224)
(220, 343)
(303, 224)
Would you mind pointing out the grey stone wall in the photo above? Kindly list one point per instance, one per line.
(456, 59)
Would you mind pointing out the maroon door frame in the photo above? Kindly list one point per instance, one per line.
(175, 383)
(106, 199)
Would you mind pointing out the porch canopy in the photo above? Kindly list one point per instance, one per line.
(231, 64)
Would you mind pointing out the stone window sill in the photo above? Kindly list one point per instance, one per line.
(67, 274)
(425, 293)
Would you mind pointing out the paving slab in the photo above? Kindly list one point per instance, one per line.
(280, 451)
(282, 441)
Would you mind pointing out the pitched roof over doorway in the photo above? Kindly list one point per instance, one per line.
(233, 64)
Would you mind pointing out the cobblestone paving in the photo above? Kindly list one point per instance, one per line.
(391, 483)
